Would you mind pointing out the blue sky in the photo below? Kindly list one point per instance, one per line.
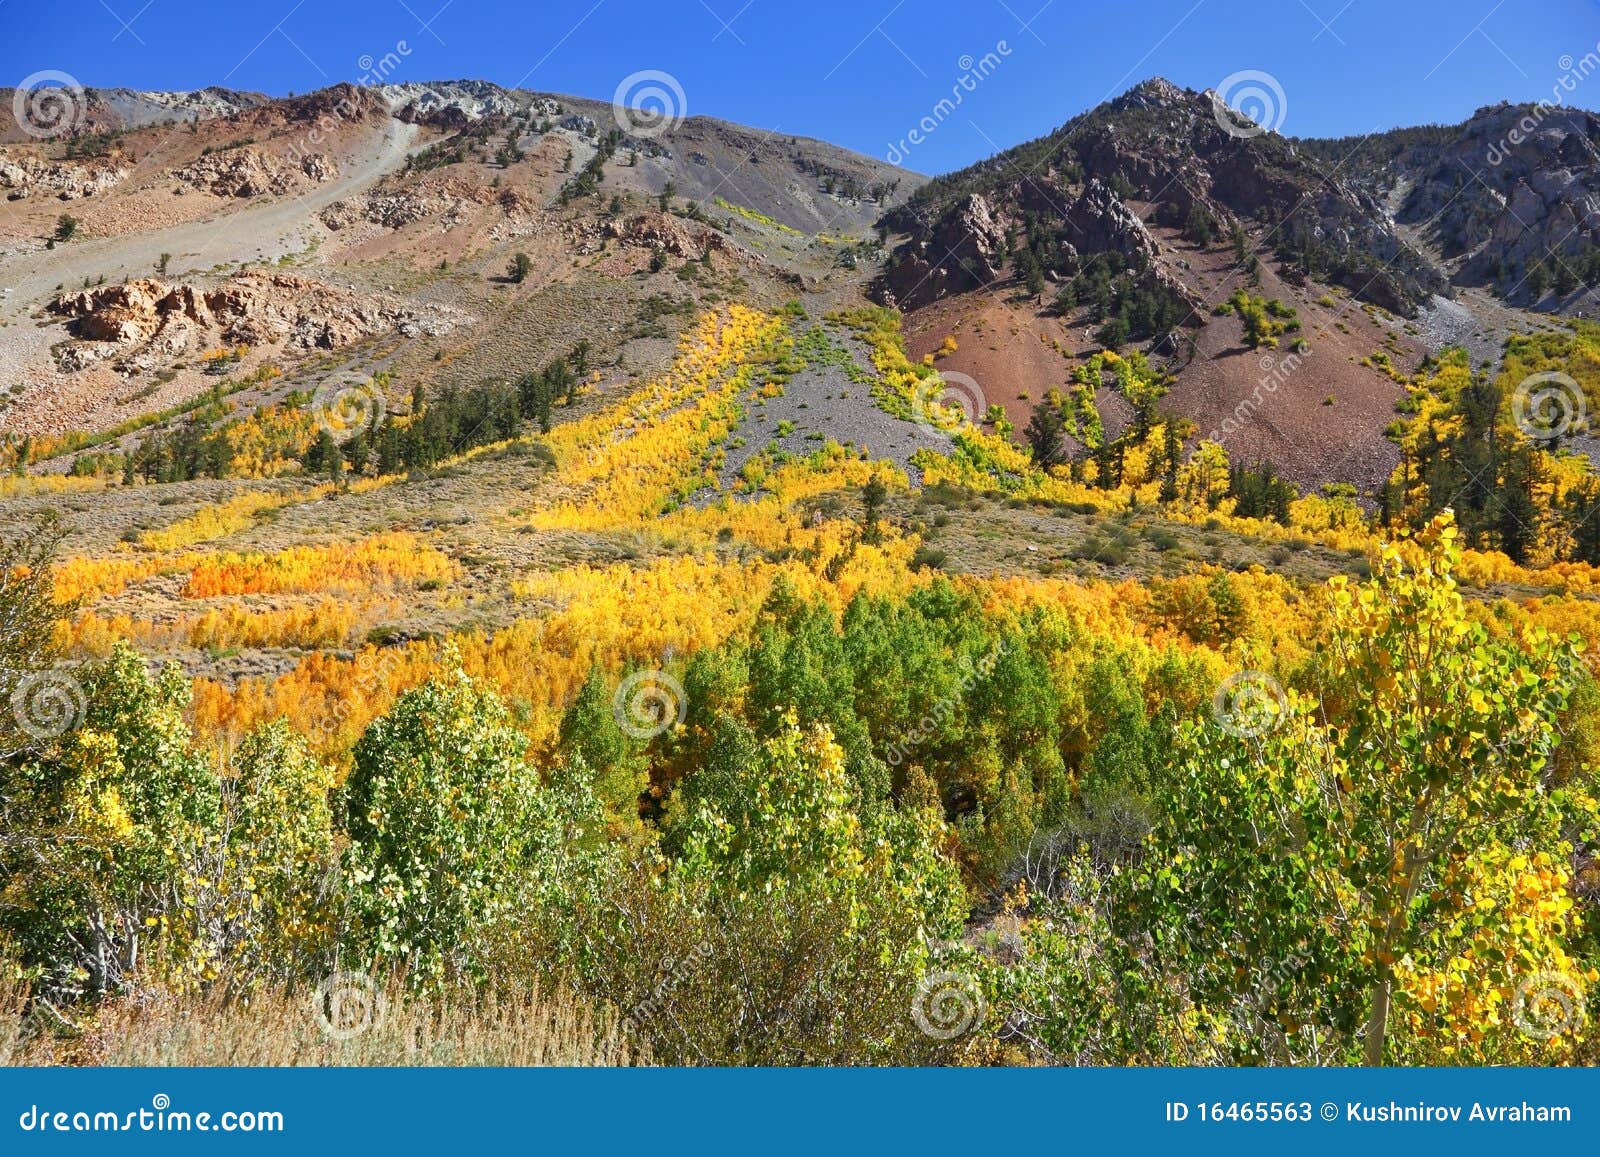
(862, 73)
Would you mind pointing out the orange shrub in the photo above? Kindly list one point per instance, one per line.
(385, 561)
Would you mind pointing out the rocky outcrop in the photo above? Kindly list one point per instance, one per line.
(445, 198)
(1517, 187)
(450, 105)
(962, 250)
(664, 232)
(1166, 148)
(146, 323)
(1099, 222)
(248, 172)
(27, 173)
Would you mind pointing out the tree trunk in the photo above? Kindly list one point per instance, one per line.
(1378, 1015)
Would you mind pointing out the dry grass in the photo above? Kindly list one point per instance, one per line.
(527, 1028)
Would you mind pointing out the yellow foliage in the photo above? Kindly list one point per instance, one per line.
(213, 522)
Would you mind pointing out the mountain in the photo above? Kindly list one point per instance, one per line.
(1167, 149)
(144, 239)
(1281, 288)
(565, 579)
(1136, 224)
(1508, 201)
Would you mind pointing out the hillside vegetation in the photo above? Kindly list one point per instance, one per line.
(752, 780)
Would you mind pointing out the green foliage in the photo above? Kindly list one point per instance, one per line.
(1046, 432)
(28, 614)
(793, 921)
(1264, 319)
(1129, 303)
(1310, 878)
(438, 809)
(591, 737)
(1260, 493)
(97, 829)
(279, 857)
